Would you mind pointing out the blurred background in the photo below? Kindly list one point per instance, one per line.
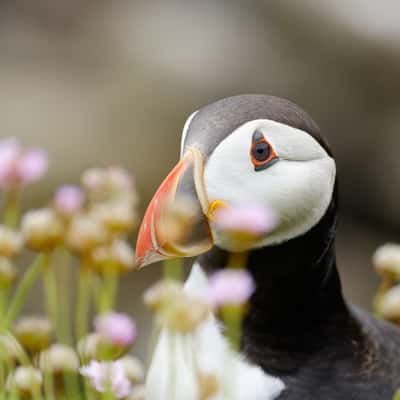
(99, 82)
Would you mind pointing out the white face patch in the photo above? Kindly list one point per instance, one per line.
(298, 186)
(185, 130)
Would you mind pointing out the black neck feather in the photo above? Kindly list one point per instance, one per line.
(298, 296)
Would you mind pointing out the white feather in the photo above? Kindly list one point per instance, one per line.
(237, 379)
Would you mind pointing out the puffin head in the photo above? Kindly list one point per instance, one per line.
(248, 150)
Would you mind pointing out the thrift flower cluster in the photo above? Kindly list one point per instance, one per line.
(57, 354)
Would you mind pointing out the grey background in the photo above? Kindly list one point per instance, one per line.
(101, 82)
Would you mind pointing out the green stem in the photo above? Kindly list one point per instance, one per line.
(83, 303)
(173, 269)
(50, 292)
(109, 289)
(237, 260)
(28, 280)
(12, 208)
(63, 300)
(232, 317)
(48, 386)
(4, 296)
(397, 395)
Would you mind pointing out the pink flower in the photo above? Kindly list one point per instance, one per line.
(108, 376)
(230, 287)
(18, 166)
(254, 220)
(69, 199)
(118, 329)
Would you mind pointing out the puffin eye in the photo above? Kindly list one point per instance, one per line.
(262, 154)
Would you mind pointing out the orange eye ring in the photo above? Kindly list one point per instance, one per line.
(262, 153)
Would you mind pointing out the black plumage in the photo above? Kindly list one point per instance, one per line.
(299, 327)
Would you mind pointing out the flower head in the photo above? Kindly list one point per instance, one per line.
(26, 380)
(108, 376)
(116, 328)
(18, 166)
(387, 259)
(254, 220)
(230, 287)
(34, 333)
(68, 199)
(59, 358)
(42, 229)
(118, 255)
(11, 241)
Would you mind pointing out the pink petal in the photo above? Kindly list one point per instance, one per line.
(230, 287)
(32, 166)
(9, 154)
(118, 329)
(250, 219)
(69, 199)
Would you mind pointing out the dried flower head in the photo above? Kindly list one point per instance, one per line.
(34, 333)
(116, 328)
(118, 256)
(59, 358)
(19, 167)
(42, 229)
(8, 272)
(230, 287)
(134, 369)
(387, 259)
(26, 380)
(85, 233)
(11, 242)
(107, 376)
(68, 200)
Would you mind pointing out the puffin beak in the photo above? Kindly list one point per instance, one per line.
(175, 223)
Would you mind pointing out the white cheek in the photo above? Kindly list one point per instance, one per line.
(298, 191)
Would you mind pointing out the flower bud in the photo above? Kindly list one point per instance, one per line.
(8, 272)
(389, 304)
(68, 200)
(42, 229)
(208, 385)
(137, 393)
(161, 293)
(58, 359)
(119, 255)
(9, 349)
(134, 369)
(185, 314)
(107, 184)
(34, 333)
(89, 347)
(26, 380)
(10, 242)
(387, 259)
(85, 233)
(119, 217)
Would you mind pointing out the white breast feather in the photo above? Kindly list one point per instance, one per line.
(238, 379)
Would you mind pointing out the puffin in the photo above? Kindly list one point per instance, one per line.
(300, 338)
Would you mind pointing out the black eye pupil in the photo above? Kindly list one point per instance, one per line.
(261, 151)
